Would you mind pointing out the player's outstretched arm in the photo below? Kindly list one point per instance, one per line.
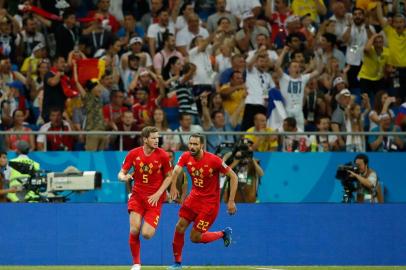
(231, 208)
(174, 192)
(124, 176)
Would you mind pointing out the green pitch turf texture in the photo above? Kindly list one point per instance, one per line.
(206, 267)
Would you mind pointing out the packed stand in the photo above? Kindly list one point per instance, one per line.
(192, 66)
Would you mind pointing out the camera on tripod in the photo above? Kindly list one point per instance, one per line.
(348, 182)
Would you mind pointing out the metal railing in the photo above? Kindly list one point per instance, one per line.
(206, 133)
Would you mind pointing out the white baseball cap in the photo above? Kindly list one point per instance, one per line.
(135, 40)
(338, 80)
(345, 92)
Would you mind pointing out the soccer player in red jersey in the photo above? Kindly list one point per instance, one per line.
(151, 175)
(202, 204)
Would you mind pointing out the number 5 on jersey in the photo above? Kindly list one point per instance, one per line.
(145, 178)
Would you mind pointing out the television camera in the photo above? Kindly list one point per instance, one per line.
(52, 186)
(349, 183)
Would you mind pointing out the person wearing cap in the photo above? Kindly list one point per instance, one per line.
(338, 124)
(92, 101)
(135, 48)
(246, 37)
(30, 63)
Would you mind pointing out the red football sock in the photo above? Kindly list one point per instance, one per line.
(177, 245)
(135, 247)
(208, 237)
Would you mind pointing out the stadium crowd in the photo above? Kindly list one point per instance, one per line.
(204, 65)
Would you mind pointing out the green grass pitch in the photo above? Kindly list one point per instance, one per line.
(206, 267)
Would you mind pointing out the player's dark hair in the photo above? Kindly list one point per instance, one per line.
(198, 135)
(363, 157)
(146, 131)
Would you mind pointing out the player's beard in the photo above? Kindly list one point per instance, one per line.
(195, 153)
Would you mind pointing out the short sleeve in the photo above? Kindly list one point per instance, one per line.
(128, 161)
(222, 166)
(182, 160)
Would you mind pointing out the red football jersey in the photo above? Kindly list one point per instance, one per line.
(205, 174)
(149, 171)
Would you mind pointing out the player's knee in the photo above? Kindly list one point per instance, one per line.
(195, 238)
(148, 235)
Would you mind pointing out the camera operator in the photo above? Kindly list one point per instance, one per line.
(18, 173)
(368, 187)
(247, 169)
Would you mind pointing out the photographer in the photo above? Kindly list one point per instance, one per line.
(247, 169)
(17, 174)
(368, 188)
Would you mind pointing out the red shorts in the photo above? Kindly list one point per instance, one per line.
(150, 214)
(202, 214)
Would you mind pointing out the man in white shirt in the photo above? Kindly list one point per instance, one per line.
(263, 42)
(187, 34)
(238, 7)
(292, 86)
(156, 31)
(355, 37)
(258, 83)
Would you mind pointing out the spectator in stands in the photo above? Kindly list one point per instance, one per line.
(143, 108)
(54, 96)
(258, 83)
(103, 13)
(55, 142)
(315, 8)
(159, 121)
(328, 50)
(382, 106)
(233, 94)
(341, 17)
(132, 65)
(7, 75)
(293, 143)
(262, 143)
(180, 14)
(314, 105)
(157, 30)
(343, 99)
(374, 63)
(396, 38)
(355, 37)
(215, 121)
(263, 44)
(36, 90)
(107, 86)
(153, 16)
(91, 96)
(127, 123)
(386, 143)
(212, 21)
(186, 125)
(30, 35)
(239, 7)
(237, 64)
(10, 37)
(292, 35)
(97, 35)
(113, 111)
(354, 123)
(18, 125)
(162, 57)
(135, 47)
(324, 143)
(130, 29)
(277, 12)
(148, 80)
(15, 98)
(31, 62)
(66, 33)
(185, 37)
(246, 37)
